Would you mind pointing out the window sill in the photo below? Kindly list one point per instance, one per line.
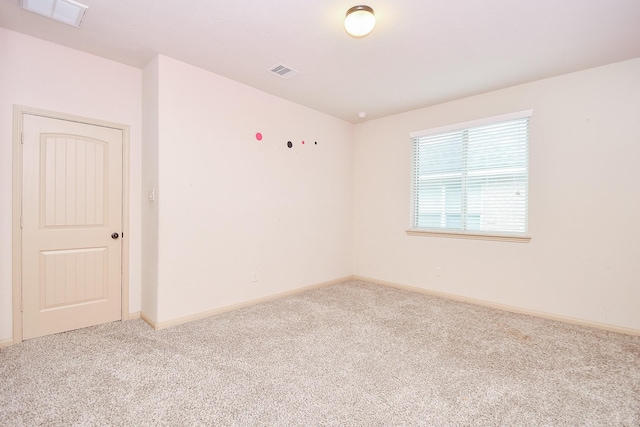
(474, 236)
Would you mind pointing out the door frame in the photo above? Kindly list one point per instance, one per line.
(19, 112)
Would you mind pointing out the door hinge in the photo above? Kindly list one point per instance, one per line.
(20, 222)
(22, 138)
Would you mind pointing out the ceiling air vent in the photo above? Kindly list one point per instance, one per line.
(66, 11)
(283, 71)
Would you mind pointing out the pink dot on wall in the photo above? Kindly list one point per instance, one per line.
(259, 136)
(302, 142)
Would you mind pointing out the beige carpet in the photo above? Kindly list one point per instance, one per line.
(350, 354)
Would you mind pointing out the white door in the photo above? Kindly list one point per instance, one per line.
(71, 206)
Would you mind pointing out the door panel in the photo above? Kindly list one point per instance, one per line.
(72, 276)
(72, 203)
(73, 173)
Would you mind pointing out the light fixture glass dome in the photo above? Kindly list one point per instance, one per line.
(359, 21)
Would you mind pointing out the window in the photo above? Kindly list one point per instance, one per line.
(472, 178)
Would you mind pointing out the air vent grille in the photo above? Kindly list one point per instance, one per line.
(283, 71)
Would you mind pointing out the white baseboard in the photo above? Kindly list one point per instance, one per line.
(6, 343)
(485, 303)
(512, 309)
(148, 321)
(174, 322)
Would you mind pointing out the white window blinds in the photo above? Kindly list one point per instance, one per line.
(473, 177)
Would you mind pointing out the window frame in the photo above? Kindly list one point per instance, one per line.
(466, 234)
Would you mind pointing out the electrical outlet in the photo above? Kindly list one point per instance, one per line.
(254, 276)
(438, 272)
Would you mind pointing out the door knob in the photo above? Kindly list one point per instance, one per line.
(115, 235)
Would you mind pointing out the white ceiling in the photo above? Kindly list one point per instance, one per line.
(421, 52)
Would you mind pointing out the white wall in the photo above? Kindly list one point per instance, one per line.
(149, 211)
(230, 205)
(39, 74)
(583, 259)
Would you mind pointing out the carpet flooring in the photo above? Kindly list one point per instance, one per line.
(351, 354)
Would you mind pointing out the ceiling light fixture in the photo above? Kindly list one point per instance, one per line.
(359, 21)
(66, 11)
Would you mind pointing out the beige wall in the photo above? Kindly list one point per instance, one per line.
(582, 261)
(230, 205)
(39, 74)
